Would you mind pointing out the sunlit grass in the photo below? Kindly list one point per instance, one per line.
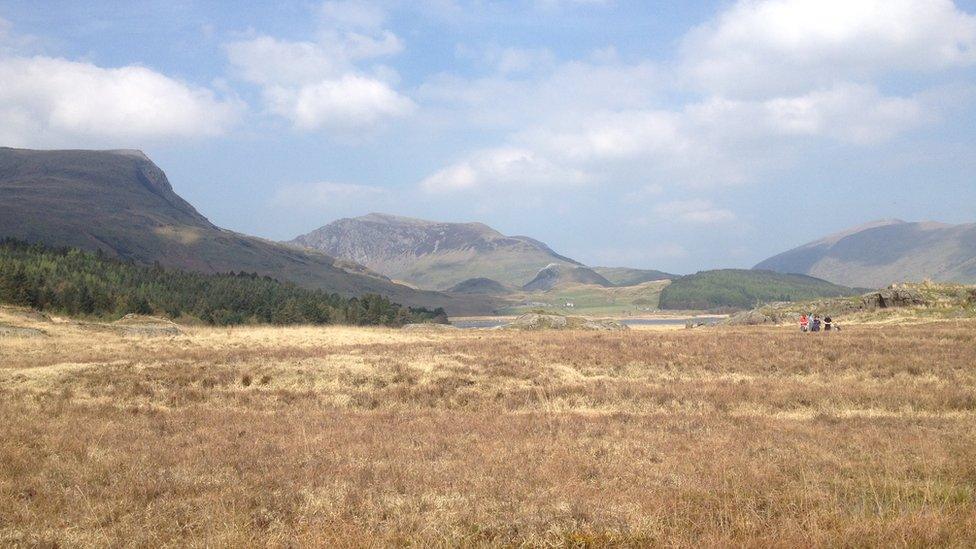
(342, 436)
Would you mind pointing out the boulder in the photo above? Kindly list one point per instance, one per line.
(893, 297)
(750, 318)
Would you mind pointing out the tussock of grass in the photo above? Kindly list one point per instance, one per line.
(341, 436)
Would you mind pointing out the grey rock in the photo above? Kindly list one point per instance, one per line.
(750, 318)
(537, 321)
(893, 297)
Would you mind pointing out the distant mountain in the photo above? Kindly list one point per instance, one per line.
(625, 276)
(484, 286)
(887, 251)
(554, 275)
(121, 203)
(744, 289)
(430, 254)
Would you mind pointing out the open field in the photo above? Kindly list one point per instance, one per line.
(350, 437)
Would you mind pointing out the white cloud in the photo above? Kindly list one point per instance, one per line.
(267, 60)
(546, 95)
(355, 29)
(697, 212)
(349, 102)
(519, 60)
(613, 135)
(850, 113)
(555, 4)
(615, 126)
(502, 167)
(48, 101)
(856, 114)
(321, 84)
(778, 47)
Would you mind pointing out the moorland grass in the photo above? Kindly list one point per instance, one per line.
(368, 436)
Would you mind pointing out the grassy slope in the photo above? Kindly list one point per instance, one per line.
(744, 289)
(593, 300)
(877, 256)
(942, 302)
(626, 276)
(509, 267)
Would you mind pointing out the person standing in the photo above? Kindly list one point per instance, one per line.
(815, 325)
(827, 323)
(804, 322)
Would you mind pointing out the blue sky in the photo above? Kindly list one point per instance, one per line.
(677, 136)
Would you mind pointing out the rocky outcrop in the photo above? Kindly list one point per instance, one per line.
(539, 321)
(893, 297)
(944, 298)
(751, 318)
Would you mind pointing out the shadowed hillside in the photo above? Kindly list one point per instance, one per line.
(884, 252)
(626, 276)
(560, 275)
(121, 203)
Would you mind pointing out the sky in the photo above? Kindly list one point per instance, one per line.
(678, 136)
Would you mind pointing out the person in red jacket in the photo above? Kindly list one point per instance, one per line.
(804, 322)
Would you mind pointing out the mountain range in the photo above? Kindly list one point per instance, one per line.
(121, 203)
(884, 252)
(431, 254)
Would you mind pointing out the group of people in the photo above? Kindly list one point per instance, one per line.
(813, 323)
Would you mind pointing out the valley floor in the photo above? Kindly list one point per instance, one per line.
(350, 437)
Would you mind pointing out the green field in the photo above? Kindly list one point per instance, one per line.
(592, 300)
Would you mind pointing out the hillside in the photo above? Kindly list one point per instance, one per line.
(555, 274)
(122, 204)
(743, 289)
(902, 303)
(625, 276)
(591, 299)
(884, 252)
(430, 254)
(78, 283)
(479, 286)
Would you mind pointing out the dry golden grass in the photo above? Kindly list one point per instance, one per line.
(365, 437)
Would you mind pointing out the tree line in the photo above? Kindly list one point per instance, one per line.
(91, 284)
